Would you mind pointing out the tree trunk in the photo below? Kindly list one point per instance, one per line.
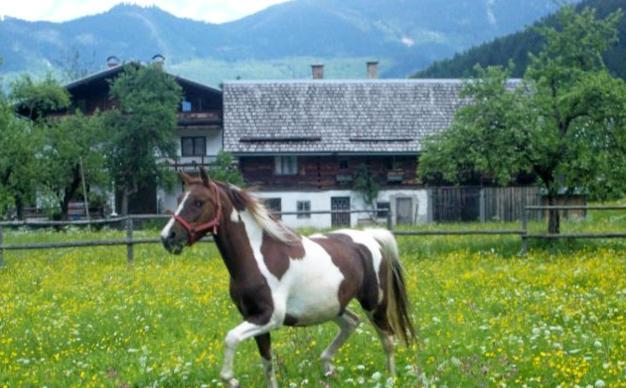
(69, 192)
(19, 207)
(554, 218)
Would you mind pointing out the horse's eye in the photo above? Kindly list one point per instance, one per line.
(197, 203)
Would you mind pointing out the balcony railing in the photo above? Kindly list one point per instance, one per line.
(191, 162)
(199, 118)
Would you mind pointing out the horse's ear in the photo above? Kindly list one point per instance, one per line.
(204, 176)
(185, 178)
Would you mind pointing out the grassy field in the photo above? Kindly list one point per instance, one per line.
(485, 316)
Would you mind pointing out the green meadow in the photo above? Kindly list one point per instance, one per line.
(484, 314)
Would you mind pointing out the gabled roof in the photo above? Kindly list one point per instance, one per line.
(333, 116)
(103, 75)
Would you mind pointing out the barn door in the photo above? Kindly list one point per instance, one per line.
(340, 203)
(404, 211)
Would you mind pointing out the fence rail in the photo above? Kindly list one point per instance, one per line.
(130, 241)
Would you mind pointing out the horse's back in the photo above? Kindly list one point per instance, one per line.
(359, 256)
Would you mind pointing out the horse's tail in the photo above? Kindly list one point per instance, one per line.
(397, 314)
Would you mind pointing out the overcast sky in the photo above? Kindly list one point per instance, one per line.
(214, 11)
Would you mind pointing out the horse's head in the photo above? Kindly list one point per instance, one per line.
(199, 212)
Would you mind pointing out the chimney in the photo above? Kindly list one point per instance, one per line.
(318, 71)
(112, 61)
(159, 60)
(372, 69)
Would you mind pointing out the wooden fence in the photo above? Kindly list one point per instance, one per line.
(129, 241)
(129, 224)
(475, 203)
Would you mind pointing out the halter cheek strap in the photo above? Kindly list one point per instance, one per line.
(195, 232)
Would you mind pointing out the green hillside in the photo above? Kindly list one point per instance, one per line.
(516, 47)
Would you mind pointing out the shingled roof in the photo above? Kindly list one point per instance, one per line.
(332, 116)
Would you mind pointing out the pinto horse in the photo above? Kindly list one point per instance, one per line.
(278, 277)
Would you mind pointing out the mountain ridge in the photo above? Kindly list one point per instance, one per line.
(403, 34)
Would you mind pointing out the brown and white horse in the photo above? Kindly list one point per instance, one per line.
(278, 277)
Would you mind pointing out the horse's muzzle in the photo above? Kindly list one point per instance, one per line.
(171, 245)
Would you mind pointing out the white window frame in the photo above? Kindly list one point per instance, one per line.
(303, 207)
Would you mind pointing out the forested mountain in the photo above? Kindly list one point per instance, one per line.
(516, 47)
(279, 42)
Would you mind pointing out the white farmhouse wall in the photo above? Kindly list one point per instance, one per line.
(213, 142)
(321, 201)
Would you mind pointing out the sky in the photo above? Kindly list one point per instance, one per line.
(213, 11)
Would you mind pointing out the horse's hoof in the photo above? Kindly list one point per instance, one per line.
(329, 370)
(233, 383)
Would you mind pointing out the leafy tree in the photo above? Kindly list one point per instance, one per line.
(73, 142)
(19, 142)
(564, 123)
(35, 99)
(22, 140)
(225, 170)
(366, 185)
(141, 128)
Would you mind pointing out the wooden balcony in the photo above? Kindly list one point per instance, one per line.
(395, 176)
(199, 119)
(189, 163)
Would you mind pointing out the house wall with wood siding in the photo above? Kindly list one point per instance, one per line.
(330, 172)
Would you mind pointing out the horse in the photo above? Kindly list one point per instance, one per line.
(280, 278)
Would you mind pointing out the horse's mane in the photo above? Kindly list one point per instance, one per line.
(269, 223)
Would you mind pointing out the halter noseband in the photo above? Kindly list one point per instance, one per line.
(195, 232)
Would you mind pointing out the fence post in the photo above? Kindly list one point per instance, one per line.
(524, 235)
(389, 219)
(129, 239)
(1, 249)
(481, 205)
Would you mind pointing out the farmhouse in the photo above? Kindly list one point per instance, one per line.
(301, 142)
(199, 129)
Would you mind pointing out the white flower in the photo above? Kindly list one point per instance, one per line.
(376, 376)
(599, 384)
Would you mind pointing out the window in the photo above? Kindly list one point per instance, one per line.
(185, 106)
(343, 164)
(286, 165)
(274, 206)
(382, 209)
(392, 163)
(193, 146)
(304, 206)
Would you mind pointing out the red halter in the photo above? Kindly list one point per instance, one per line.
(195, 232)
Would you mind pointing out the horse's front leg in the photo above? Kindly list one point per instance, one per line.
(243, 331)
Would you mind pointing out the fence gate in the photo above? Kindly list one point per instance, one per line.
(340, 203)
